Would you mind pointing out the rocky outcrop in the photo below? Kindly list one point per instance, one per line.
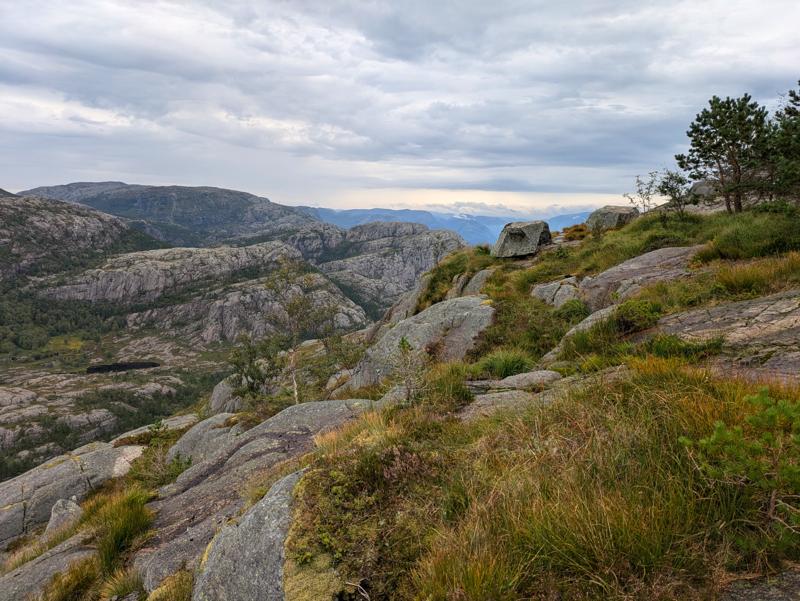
(760, 335)
(254, 309)
(527, 380)
(245, 560)
(142, 277)
(27, 500)
(558, 292)
(28, 580)
(447, 329)
(223, 400)
(377, 263)
(204, 438)
(611, 217)
(476, 283)
(40, 236)
(780, 587)
(209, 493)
(65, 512)
(521, 239)
(627, 278)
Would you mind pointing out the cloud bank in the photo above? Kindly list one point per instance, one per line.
(336, 103)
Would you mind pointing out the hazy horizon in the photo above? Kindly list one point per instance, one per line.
(460, 106)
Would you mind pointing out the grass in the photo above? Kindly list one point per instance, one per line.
(468, 261)
(593, 497)
(727, 281)
(177, 587)
(501, 363)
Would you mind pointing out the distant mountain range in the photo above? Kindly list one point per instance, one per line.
(475, 229)
(195, 216)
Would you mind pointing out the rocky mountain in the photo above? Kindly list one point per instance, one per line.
(182, 215)
(505, 410)
(375, 263)
(39, 236)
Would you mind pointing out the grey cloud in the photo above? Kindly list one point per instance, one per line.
(310, 96)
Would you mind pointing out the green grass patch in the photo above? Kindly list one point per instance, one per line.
(596, 496)
(501, 363)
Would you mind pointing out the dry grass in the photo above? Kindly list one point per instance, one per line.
(177, 587)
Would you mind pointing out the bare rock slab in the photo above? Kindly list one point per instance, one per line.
(521, 239)
(206, 496)
(625, 279)
(245, 560)
(451, 326)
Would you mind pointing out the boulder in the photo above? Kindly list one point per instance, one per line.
(521, 239)
(558, 292)
(611, 217)
(202, 439)
(245, 560)
(27, 500)
(65, 512)
(705, 189)
(457, 287)
(28, 580)
(450, 328)
(475, 286)
(223, 400)
(624, 280)
(190, 511)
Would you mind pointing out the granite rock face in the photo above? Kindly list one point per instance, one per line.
(142, 277)
(627, 278)
(521, 239)
(63, 513)
(246, 559)
(251, 308)
(190, 511)
(558, 292)
(204, 438)
(450, 328)
(760, 335)
(27, 500)
(28, 580)
(611, 217)
(223, 400)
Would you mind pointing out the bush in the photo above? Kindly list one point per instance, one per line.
(759, 463)
(573, 311)
(502, 363)
(635, 316)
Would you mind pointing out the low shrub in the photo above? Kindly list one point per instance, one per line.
(576, 232)
(573, 311)
(636, 315)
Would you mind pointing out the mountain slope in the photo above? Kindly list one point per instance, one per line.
(40, 235)
(183, 215)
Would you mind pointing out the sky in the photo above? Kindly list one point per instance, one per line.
(468, 106)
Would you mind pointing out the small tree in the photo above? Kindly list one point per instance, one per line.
(729, 144)
(257, 364)
(646, 190)
(675, 187)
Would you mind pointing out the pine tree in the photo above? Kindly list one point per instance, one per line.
(729, 143)
(786, 146)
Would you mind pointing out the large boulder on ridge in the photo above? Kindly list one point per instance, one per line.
(611, 217)
(450, 328)
(521, 238)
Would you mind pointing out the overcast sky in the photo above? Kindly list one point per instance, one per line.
(472, 104)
